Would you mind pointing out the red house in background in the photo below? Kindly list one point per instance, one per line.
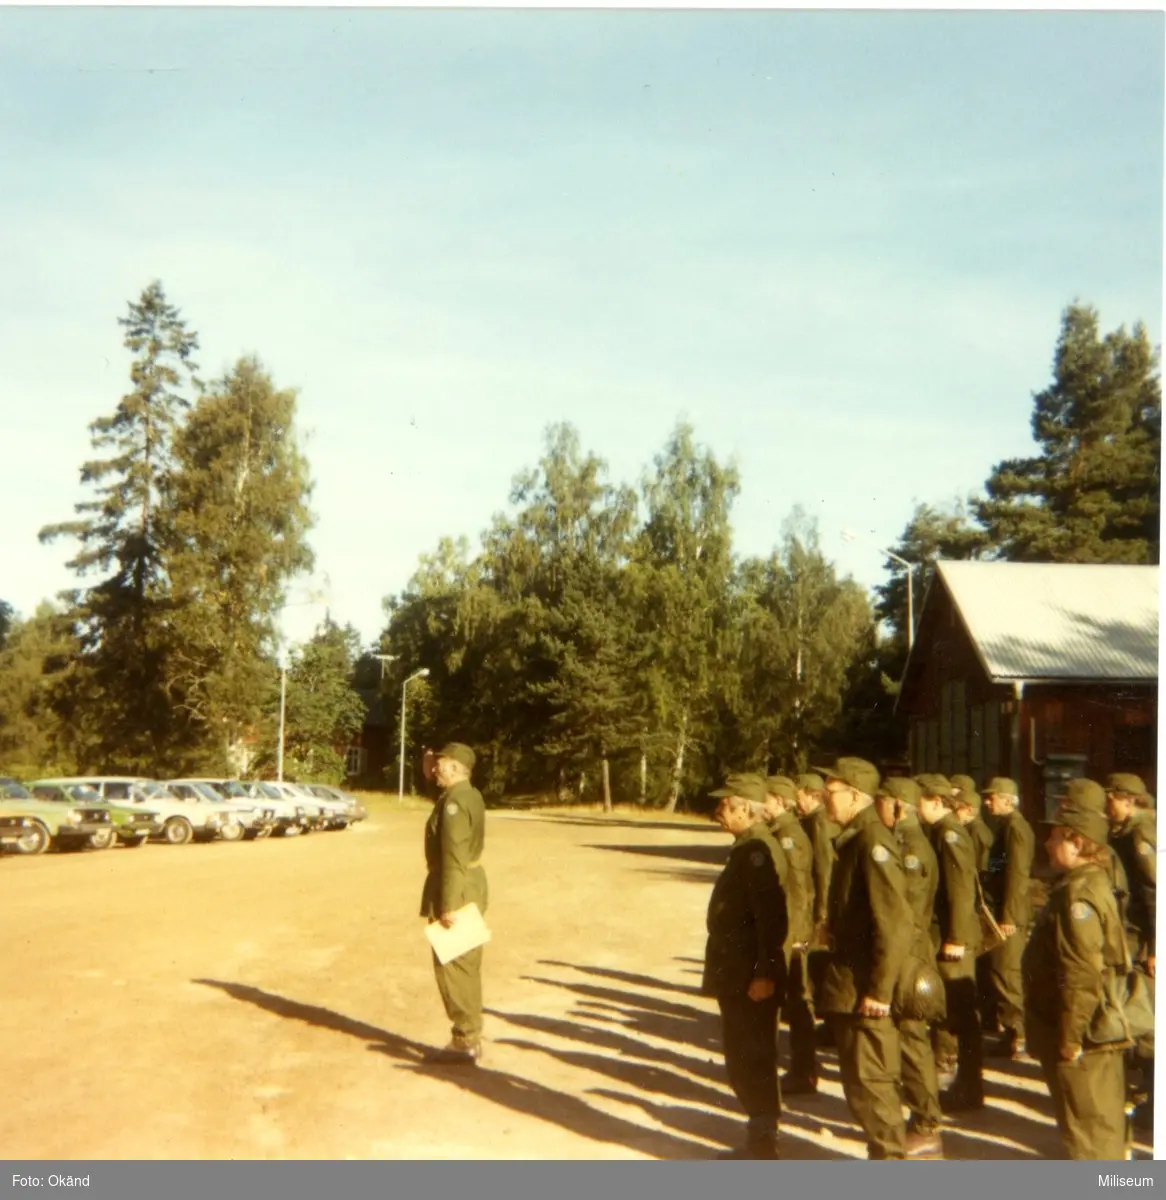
(1038, 671)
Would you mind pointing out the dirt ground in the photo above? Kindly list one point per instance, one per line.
(272, 1000)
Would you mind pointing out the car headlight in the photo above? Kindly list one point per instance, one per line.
(73, 817)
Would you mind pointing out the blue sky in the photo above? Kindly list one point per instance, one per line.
(839, 243)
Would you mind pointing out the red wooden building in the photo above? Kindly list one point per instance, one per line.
(1037, 671)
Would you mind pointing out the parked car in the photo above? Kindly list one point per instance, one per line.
(182, 820)
(129, 825)
(13, 830)
(59, 825)
(356, 810)
(241, 816)
(291, 811)
(317, 812)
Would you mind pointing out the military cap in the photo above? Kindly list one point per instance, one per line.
(998, 785)
(459, 752)
(898, 788)
(810, 783)
(1084, 793)
(965, 786)
(855, 771)
(1126, 785)
(1085, 821)
(933, 784)
(744, 784)
(783, 786)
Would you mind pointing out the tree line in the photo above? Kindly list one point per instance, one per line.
(602, 640)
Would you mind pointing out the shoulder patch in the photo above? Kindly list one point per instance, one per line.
(951, 837)
(880, 854)
(787, 843)
(911, 862)
(1146, 849)
(757, 858)
(452, 809)
(1080, 911)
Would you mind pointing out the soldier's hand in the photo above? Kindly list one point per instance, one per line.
(951, 952)
(1007, 930)
(761, 989)
(1070, 1053)
(1150, 966)
(447, 919)
(870, 1007)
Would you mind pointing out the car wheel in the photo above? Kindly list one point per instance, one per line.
(103, 839)
(132, 843)
(34, 841)
(178, 831)
(231, 832)
(290, 831)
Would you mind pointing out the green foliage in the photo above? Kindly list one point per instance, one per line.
(1092, 493)
(6, 616)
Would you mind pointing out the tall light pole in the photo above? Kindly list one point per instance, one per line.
(404, 697)
(849, 535)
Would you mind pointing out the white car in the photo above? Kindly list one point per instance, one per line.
(291, 811)
(241, 817)
(182, 820)
(356, 810)
(314, 808)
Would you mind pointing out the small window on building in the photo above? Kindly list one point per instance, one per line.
(354, 761)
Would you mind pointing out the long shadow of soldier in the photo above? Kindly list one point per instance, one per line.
(498, 1087)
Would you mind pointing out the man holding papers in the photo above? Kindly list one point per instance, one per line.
(454, 838)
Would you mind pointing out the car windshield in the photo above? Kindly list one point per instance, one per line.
(205, 792)
(231, 788)
(157, 791)
(13, 791)
(270, 791)
(84, 794)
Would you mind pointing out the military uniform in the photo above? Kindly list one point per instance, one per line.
(956, 921)
(822, 834)
(871, 930)
(920, 1078)
(747, 928)
(799, 895)
(454, 840)
(1071, 958)
(1006, 891)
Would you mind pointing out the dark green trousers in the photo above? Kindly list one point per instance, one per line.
(749, 1038)
(1001, 990)
(460, 984)
(920, 1078)
(1088, 1096)
(870, 1062)
(959, 1038)
(799, 1016)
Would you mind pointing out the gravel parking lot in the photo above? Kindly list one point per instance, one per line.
(272, 999)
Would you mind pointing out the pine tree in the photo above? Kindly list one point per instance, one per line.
(1092, 492)
(121, 620)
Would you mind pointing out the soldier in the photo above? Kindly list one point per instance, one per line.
(1069, 967)
(454, 837)
(956, 935)
(822, 833)
(1006, 891)
(968, 805)
(870, 929)
(780, 807)
(744, 962)
(897, 804)
(1134, 839)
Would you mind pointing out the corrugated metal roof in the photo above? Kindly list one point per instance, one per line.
(1059, 620)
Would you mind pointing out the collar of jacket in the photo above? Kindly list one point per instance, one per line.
(755, 830)
(453, 787)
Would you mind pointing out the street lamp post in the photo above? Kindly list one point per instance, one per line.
(404, 698)
(849, 535)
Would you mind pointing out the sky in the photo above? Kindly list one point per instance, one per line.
(838, 243)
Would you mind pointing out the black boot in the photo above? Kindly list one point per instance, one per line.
(457, 1054)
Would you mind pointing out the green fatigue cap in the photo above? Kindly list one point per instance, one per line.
(999, 786)
(1084, 821)
(898, 788)
(459, 752)
(965, 785)
(783, 786)
(934, 785)
(1084, 793)
(740, 783)
(810, 783)
(855, 771)
(1125, 785)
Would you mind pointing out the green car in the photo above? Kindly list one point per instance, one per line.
(49, 824)
(130, 826)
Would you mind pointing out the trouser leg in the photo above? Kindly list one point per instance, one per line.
(920, 1079)
(1002, 977)
(963, 1026)
(460, 985)
(803, 1056)
(870, 1062)
(749, 1038)
(1088, 1098)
